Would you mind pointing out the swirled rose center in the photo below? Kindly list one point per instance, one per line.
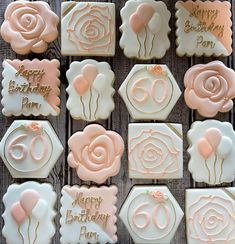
(99, 154)
(28, 21)
(151, 153)
(212, 84)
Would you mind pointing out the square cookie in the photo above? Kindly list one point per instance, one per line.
(87, 29)
(210, 216)
(155, 151)
(88, 215)
(31, 87)
(204, 28)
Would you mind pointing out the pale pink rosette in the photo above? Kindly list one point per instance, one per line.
(211, 219)
(209, 88)
(34, 126)
(29, 26)
(95, 153)
(159, 196)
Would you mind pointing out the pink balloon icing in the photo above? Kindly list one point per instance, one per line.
(145, 12)
(81, 84)
(136, 23)
(90, 72)
(204, 148)
(28, 200)
(139, 19)
(213, 136)
(18, 213)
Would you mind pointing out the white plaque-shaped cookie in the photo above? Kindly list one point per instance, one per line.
(212, 152)
(29, 213)
(90, 90)
(145, 28)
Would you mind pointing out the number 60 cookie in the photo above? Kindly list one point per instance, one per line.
(30, 149)
(151, 214)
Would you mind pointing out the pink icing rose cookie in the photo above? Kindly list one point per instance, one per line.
(29, 213)
(95, 153)
(88, 215)
(210, 88)
(29, 26)
(204, 28)
(31, 87)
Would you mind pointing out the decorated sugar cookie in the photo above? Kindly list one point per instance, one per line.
(29, 213)
(90, 90)
(30, 149)
(155, 151)
(29, 26)
(210, 88)
(30, 87)
(212, 152)
(88, 28)
(88, 215)
(204, 28)
(210, 215)
(151, 214)
(150, 92)
(145, 28)
(95, 153)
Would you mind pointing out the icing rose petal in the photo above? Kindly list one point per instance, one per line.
(95, 153)
(209, 88)
(29, 26)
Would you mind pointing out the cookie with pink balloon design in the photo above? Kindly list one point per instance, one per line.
(88, 215)
(203, 28)
(155, 151)
(31, 87)
(212, 152)
(145, 29)
(210, 88)
(90, 90)
(29, 213)
(210, 215)
(88, 28)
(95, 153)
(29, 26)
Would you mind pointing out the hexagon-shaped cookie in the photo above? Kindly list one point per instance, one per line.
(30, 149)
(150, 92)
(151, 214)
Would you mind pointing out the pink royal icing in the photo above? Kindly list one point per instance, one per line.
(29, 26)
(209, 88)
(95, 153)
